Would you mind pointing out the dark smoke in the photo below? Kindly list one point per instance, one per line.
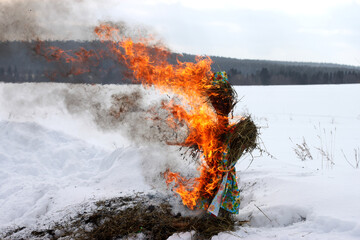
(18, 21)
(25, 20)
(143, 123)
(31, 20)
(29, 28)
(125, 109)
(127, 112)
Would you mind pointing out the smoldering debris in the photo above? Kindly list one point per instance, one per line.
(143, 216)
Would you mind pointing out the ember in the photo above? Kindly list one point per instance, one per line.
(206, 100)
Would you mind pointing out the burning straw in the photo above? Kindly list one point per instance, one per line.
(216, 188)
(204, 103)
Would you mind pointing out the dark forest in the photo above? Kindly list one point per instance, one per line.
(19, 62)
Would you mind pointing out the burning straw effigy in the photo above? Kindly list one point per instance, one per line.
(205, 104)
(234, 140)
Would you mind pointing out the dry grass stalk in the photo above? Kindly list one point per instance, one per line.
(356, 162)
(302, 151)
(126, 217)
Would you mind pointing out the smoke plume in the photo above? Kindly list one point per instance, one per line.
(28, 20)
(127, 110)
(135, 112)
(132, 111)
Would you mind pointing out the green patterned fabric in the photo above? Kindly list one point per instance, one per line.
(231, 197)
(227, 196)
(220, 77)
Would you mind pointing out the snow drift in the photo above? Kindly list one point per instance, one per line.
(57, 152)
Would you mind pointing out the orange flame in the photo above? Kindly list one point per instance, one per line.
(149, 66)
(81, 60)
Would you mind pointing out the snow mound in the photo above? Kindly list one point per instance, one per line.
(44, 170)
(278, 216)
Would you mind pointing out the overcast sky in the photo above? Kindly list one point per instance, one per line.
(305, 30)
(290, 30)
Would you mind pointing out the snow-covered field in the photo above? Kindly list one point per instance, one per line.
(58, 151)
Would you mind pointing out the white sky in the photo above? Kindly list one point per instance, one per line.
(292, 30)
(306, 30)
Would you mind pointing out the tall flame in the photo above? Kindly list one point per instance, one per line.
(190, 81)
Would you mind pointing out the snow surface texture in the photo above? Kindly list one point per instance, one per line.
(57, 150)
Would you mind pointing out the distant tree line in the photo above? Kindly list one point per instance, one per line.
(262, 72)
(19, 62)
(12, 74)
(294, 75)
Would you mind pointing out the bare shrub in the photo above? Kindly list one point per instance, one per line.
(302, 150)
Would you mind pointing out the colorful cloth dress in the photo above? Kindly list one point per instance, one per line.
(227, 196)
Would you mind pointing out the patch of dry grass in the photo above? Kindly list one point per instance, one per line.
(125, 217)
